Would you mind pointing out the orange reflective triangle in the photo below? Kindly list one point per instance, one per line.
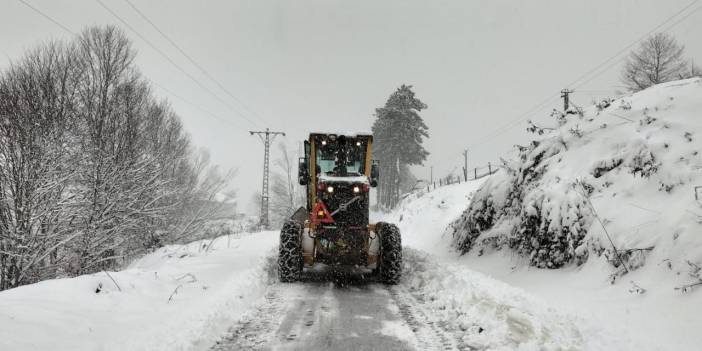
(325, 218)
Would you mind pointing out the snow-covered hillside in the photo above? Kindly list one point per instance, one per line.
(620, 174)
(662, 318)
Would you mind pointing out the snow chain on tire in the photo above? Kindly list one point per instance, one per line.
(290, 252)
(390, 253)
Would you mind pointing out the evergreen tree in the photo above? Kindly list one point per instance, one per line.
(398, 131)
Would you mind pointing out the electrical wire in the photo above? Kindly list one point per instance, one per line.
(597, 69)
(630, 45)
(173, 62)
(179, 97)
(54, 21)
(195, 63)
(47, 17)
(608, 67)
(514, 122)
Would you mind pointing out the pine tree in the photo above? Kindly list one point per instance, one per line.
(398, 131)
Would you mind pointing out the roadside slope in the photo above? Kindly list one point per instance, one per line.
(181, 297)
(481, 312)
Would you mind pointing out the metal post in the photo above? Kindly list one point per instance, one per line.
(266, 137)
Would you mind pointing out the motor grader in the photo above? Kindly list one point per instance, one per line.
(333, 227)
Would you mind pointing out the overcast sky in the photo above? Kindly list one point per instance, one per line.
(299, 66)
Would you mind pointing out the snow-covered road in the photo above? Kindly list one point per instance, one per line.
(437, 306)
(338, 311)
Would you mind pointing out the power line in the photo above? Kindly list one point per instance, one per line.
(593, 91)
(223, 120)
(203, 70)
(616, 62)
(630, 45)
(525, 115)
(47, 17)
(514, 122)
(152, 82)
(173, 62)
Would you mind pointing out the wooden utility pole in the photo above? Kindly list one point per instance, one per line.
(465, 164)
(266, 137)
(565, 94)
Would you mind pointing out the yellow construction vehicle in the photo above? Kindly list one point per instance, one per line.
(333, 228)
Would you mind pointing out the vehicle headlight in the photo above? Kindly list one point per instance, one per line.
(356, 189)
(330, 189)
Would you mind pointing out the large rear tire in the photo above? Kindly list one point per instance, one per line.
(390, 253)
(290, 252)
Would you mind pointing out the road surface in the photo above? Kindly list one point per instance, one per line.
(338, 311)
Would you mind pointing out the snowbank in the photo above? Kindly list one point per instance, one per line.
(177, 298)
(422, 216)
(490, 315)
(623, 169)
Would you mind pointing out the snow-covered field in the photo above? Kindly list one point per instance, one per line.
(177, 298)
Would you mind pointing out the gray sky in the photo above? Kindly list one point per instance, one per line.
(300, 66)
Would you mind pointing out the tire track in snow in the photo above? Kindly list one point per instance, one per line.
(256, 329)
(430, 332)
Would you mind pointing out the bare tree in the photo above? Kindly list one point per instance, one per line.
(658, 59)
(695, 70)
(286, 195)
(198, 204)
(36, 109)
(93, 169)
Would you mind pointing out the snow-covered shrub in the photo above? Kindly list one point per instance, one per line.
(630, 178)
(603, 104)
(549, 222)
(552, 225)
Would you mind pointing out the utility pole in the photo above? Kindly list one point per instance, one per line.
(431, 174)
(565, 94)
(465, 164)
(266, 137)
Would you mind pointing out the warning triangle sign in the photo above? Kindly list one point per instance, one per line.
(320, 214)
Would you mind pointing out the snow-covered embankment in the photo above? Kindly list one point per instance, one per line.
(482, 312)
(177, 298)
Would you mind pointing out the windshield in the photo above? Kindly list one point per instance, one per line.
(340, 157)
